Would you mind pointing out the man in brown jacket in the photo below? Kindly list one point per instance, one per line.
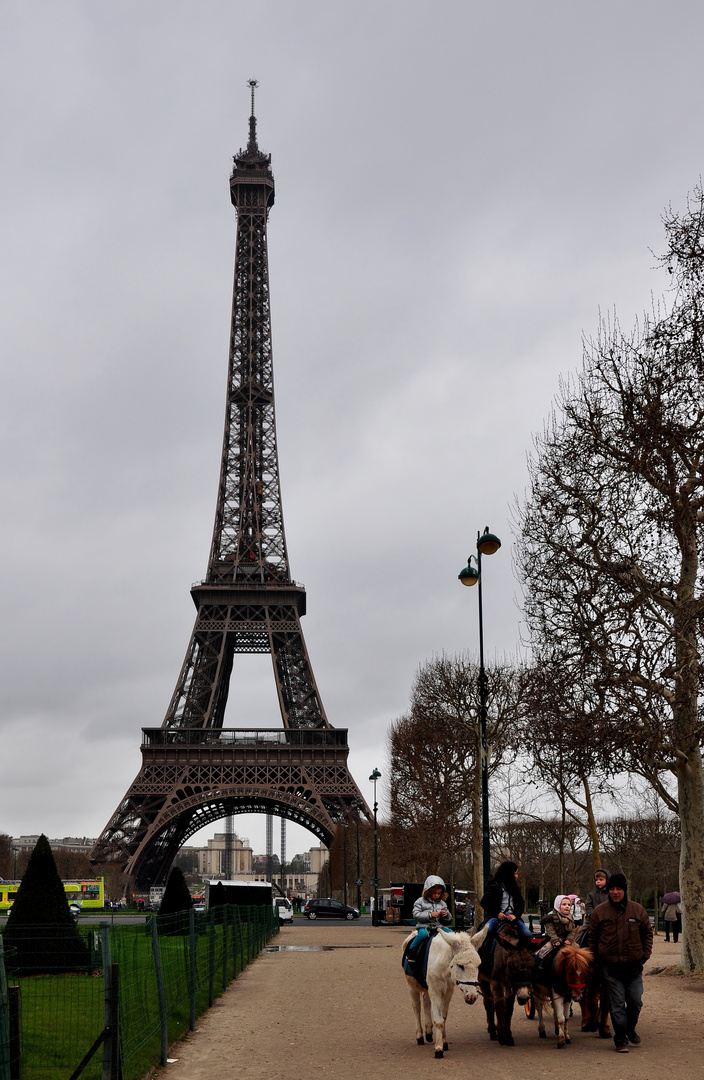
(621, 938)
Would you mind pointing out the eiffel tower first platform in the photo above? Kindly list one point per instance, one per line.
(194, 771)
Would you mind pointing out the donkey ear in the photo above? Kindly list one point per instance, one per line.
(478, 939)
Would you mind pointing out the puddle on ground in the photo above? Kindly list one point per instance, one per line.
(319, 948)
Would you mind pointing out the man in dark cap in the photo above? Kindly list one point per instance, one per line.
(621, 938)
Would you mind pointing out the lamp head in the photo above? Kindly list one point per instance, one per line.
(487, 543)
(375, 776)
(470, 574)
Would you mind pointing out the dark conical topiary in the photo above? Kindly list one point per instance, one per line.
(176, 895)
(175, 904)
(41, 935)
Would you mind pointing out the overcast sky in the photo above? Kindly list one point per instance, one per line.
(460, 187)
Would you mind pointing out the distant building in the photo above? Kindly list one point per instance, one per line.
(211, 858)
(82, 844)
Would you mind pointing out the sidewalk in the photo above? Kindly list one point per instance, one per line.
(345, 1014)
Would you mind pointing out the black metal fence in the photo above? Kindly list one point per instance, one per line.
(141, 988)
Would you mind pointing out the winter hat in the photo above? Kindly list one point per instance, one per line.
(601, 873)
(618, 881)
(558, 900)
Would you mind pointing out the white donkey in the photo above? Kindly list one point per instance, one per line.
(452, 961)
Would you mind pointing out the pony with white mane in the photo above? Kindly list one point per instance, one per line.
(452, 961)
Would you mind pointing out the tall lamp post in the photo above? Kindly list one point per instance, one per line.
(487, 544)
(375, 914)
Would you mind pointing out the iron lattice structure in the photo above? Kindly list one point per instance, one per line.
(195, 771)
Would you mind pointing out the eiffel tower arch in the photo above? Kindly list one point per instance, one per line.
(194, 770)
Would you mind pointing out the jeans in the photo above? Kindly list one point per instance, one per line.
(495, 924)
(624, 985)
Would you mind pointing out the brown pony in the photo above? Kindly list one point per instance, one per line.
(505, 978)
(558, 985)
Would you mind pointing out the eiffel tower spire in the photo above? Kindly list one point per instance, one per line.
(194, 770)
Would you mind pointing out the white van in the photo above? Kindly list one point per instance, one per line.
(284, 909)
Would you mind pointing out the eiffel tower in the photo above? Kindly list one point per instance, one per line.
(195, 771)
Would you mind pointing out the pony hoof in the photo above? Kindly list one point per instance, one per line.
(445, 1046)
(438, 1053)
(428, 1038)
(420, 1042)
(560, 1046)
(493, 1036)
(604, 1034)
(543, 1034)
(508, 1041)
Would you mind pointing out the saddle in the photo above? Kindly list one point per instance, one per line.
(486, 949)
(415, 959)
(582, 937)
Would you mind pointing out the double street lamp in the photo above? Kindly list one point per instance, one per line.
(487, 544)
(375, 882)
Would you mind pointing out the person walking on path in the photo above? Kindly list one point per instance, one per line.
(621, 938)
(671, 908)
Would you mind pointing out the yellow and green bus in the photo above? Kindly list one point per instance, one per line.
(87, 895)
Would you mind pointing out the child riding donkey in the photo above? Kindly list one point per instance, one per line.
(431, 914)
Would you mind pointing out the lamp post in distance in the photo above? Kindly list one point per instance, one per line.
(487, 544)
(376, 775)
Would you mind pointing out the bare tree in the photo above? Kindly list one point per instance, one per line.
(564, 747)
(435, 779)
(6, 857)
(611, 543)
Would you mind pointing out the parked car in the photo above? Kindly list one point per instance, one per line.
(329, 909)
(284, 909)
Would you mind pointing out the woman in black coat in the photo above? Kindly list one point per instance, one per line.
(502, 901)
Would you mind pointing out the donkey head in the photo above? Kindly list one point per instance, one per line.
(464, 966)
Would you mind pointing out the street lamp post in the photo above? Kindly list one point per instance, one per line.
(487, 544)
(359, 880)
(375, 914)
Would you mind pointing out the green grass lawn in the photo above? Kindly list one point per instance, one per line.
(62, 1015)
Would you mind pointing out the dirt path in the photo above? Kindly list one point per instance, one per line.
(345, 1015)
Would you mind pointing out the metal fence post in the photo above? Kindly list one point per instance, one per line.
(4, 1020)
(225, 908)
(107, 996)
(114, 1022)
(211, 960)
(192, 968)
(160, 991)
(235, 941)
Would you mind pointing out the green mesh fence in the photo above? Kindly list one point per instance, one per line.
(170, 968)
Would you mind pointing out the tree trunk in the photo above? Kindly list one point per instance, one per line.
(690, 783)
(561, 857)
(591, 823)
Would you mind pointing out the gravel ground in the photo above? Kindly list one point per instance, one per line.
(345, 1014)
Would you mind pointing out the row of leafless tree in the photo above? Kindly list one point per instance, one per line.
(554, 854)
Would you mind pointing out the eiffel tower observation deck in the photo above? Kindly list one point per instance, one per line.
(195, 771)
